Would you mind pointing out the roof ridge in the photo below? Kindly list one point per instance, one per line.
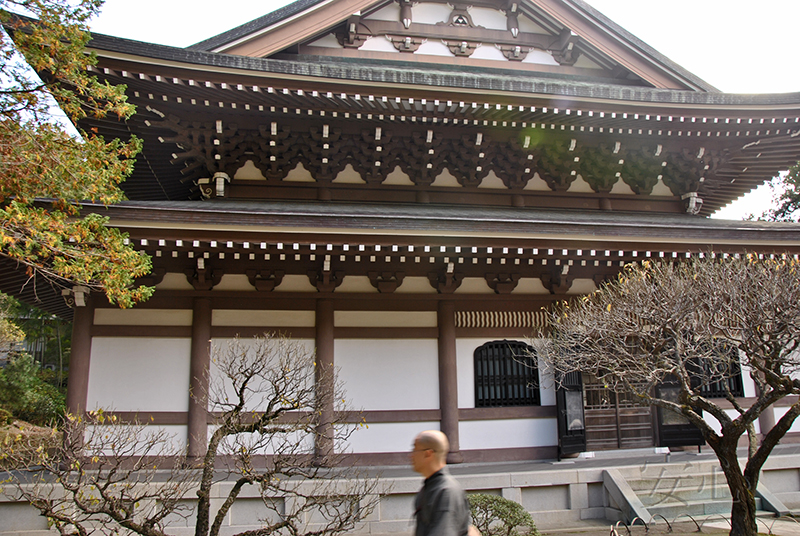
(265, 21)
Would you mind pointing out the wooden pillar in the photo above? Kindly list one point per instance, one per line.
(78, 379)
(197, 433)
(448, 378)
(324, 380)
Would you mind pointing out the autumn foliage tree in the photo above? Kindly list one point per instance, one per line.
(693, 325)
(266, 399)
(44, 170)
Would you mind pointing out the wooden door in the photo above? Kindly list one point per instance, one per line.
(615, 420)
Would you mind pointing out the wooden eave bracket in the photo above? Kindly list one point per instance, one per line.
(152, 279)
(265, 280)
(386, 282)
(502, 283)
(556, 282)
(445, 283)
(326, 280)
(203, 278)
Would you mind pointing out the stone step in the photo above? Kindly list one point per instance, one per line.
(667, 481)
(683, 494)
(674, 509)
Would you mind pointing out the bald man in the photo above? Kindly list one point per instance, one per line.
(440, 507)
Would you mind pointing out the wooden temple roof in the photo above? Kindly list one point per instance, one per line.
(282, 147)
(200, 113)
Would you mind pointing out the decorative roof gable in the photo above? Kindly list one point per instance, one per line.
(563, 38)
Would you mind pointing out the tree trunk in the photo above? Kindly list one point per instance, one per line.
(743, 513)
(743, 508)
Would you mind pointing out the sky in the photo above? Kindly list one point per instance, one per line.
(731, 44)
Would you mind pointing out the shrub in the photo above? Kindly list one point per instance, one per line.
(5, 417)
(496, 516)
(26, 395)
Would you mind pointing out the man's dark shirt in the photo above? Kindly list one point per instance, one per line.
(441, 507)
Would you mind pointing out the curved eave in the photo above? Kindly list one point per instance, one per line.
(476, 225)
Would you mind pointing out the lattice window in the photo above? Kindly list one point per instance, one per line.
(716, 377)
(506, 374)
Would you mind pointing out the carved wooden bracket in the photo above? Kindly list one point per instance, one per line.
(405, 44)
(203, 278)
(265, 280)
(386, 282)
(462, 48)
(600, 166)
(502, 283)
(514, 52)
(601, 279)
(564, 50)
(446, 283)
(556, 282)
(642, 168)
(152, 279)
(326, 280)
(687, 170)
(351, 37)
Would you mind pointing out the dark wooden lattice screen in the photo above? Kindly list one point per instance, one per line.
(506, 375)
(717, 375)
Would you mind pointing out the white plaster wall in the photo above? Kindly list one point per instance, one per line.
(465, 362)
(415, 285)
(434, 48)
(379, 43)
(488, 52)
(475, 285)
(540, 57)
(389, 13)
(139, 374)
(173, 281)
(172, 442)
(221, 387)
(389, 374)
(356, 283)
(327, 41)
(295, 442)
(491, 19)
(429, 13)
(386, 437)
(732, 413)
(234, 282)
(780, 412)
(507, 433)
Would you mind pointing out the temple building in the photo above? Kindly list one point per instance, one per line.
(407, 186)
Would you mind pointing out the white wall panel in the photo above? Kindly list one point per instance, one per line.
(507, 433)
(732, 413)
(386, 437)
(780, 412)
(389, 373)
(172, 437)
(465, 351)
(139, 374)
(221, 387)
